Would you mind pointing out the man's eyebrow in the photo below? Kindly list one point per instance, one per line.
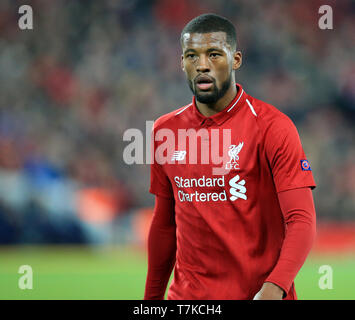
(208, 50)
(215, 49)
(189, 50)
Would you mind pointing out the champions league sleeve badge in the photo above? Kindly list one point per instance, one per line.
(305, 165)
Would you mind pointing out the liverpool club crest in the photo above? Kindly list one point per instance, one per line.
(233, 155)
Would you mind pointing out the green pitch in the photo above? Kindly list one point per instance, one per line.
(119, 273)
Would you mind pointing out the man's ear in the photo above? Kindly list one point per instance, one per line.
(182, 63)
(237, 60)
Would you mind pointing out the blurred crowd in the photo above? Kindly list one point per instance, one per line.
(89, 70)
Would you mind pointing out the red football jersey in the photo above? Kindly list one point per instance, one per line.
(230, 227)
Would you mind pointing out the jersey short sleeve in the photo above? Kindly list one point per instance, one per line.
(289, 165)
(159, 182)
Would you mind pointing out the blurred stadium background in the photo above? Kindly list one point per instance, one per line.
(89, 70)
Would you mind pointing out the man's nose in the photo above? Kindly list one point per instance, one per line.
(203, 65)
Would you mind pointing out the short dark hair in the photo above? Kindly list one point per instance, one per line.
(210, 22)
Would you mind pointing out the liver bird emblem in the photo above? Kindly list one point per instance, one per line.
(234, 150)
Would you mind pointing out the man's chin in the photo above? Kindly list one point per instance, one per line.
(207, 97)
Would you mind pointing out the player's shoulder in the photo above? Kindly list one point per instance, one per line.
(268, 116)
(171, 119)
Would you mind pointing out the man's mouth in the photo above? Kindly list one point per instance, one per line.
(204, 82)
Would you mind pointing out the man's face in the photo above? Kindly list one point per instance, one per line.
(208, 61)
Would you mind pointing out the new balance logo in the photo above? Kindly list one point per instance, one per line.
(178, 155)
(237, 189)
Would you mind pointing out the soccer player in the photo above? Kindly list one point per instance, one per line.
(244, 233)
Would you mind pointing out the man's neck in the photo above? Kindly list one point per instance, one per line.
(210, 109)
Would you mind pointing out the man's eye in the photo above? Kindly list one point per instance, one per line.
(190, 55)
(214, 55)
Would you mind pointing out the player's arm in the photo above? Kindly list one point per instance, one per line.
(293, 182)
(299, 214)
(161, 248)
